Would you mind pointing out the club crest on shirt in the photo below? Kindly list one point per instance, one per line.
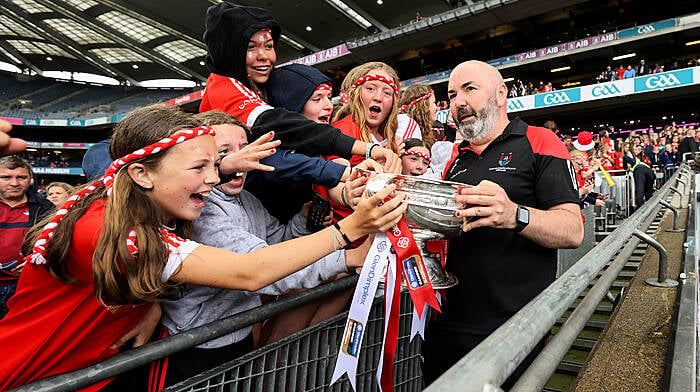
(503, 162)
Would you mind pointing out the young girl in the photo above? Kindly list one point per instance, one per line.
(241, 55)
(58, 193)
(117, 246)
(418, 102)
(415, 157)
(369, 115)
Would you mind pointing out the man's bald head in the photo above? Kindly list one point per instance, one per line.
(478, 99)
(479, 69)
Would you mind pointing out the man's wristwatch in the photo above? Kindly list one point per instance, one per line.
(522, 218)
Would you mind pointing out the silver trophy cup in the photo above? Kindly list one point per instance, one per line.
(430, 215)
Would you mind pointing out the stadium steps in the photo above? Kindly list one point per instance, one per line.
(61, 99)
(571, 364)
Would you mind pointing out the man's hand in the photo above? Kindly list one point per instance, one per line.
(391, 161)
(9, 145)
(248, 158)
(485, 205)
(143, 331)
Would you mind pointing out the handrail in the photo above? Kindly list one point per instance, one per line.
(500, 353)
(682, 355)
(134, 358)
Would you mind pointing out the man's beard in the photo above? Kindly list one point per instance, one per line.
(480, 127)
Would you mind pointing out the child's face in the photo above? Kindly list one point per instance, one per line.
(414, 165)
(260, 56)
(433, 107)
(231, 138)
(184, 177)
(319, 107)
(377, 100)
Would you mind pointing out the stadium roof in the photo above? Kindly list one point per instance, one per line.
(137, 41)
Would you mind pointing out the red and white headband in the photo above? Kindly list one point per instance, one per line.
(344, 98)
(39, 249)
(418, 154)
(415, 101)
(381, 78)
(324, 86)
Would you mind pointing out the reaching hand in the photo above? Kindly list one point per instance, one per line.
(248, 158)
(391, 161)
(373, 214)
(9, 145)
(143, 331)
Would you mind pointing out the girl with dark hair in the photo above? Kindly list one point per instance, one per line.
(415, 157)
(97, 268)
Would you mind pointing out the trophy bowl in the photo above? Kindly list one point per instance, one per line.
(429, 216)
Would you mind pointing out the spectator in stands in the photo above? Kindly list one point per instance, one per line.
(610, 75)
(513, 92)
(418, 102)
(240, 41)
(58, 193)
(671, 154)
(9, 145)
(518, 221)
(689, 144)
(235, 220)
(644, 177)
(620, 73)
(415, 157)
(643, 68)
(568, 142)
(119, 248)
(629, 73)
(20, 209)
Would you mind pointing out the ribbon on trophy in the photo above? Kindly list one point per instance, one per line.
(408, 263)
(375, 263)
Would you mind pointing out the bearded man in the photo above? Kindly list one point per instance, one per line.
(520, 204)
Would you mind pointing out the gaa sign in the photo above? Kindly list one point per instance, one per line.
(558, 97)
(663, 80)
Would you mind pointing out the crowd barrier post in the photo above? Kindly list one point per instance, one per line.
(661, 280)
(675, 216)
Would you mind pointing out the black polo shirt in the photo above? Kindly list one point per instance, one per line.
(499, 270)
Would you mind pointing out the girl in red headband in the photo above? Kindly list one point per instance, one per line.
(96, 269)
(418, 102)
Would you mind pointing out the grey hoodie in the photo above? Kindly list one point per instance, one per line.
(241, 224)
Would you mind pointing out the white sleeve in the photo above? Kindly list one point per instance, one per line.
(179, 250)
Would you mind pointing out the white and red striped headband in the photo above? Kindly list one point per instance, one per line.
(324, 86)
(415, 101)
(381, 78)
(418, 154)
(39, 249)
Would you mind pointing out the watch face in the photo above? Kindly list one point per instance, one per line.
(523, 215)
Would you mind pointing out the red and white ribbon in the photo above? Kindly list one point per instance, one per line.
(381, 78)
(324, 86)
(39, 249)
(418, 154)
(402, 108)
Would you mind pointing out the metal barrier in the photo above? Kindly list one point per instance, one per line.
(489, 364)
(682, 360)
(304, 361)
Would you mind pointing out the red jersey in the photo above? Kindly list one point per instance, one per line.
(53, 327)
(231, 96)
(14, 223)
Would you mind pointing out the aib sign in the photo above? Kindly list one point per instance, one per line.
(557, 98)
(663, 80)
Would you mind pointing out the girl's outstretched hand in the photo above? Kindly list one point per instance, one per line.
(374, 215)
(248, 158)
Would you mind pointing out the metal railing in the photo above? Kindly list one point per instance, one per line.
(682, 369)
(143, 355)
(489, 364)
